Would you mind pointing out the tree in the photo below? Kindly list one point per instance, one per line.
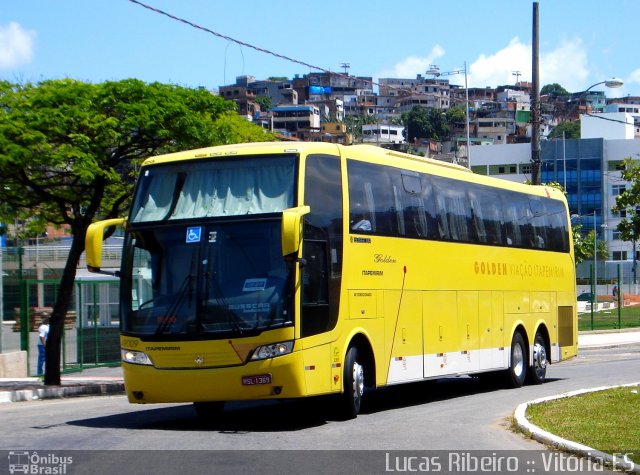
(264, 102)
(571, 130)
(629, 199)
(433, 124)
(583, 246)
(69, 151)
(554, 90)
(456, 115)
(417, 123)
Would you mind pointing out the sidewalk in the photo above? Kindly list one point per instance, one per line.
(90, 382)
(109, 381)
(608, 338)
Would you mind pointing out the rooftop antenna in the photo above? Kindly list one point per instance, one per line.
(346, 67)
(517, 74)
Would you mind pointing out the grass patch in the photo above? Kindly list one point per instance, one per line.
(604, 420)
(608, 319)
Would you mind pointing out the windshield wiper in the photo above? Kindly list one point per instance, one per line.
(221, 304)
(184, 293)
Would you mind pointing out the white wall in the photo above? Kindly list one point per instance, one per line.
(610, 126)
(503, 154)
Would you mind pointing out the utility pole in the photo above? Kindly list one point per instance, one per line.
(535, 109)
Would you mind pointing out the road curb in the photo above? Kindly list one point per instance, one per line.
(552, 440)
(55, 392)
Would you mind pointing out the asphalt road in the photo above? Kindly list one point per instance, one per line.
(450, 414)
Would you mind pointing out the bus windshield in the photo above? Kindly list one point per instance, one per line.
(205, 280)
(216, 188)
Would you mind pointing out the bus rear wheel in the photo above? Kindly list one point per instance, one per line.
(517, 371)
(538, 370)
(353, 378)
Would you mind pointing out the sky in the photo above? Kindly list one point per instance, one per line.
(581, 42)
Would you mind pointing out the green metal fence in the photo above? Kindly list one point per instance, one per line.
(610, 302)
(91, 327)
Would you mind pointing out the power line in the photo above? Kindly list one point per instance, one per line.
(225, 37)
(281, 56)
(597, 116)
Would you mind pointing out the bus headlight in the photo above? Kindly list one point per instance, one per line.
(135, 357)
(271, 351)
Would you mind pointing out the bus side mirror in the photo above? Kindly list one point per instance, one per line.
(292, 228)
(93, 242)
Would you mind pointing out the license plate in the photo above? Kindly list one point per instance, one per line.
(256, 379)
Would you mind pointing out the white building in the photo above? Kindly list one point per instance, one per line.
(633, 109)
(292, 118)
(513, 100)
(494, 128)
(507, 161)
(383, 133)
(607, 125)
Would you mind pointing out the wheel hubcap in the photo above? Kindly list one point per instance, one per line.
(539, 358)
(518, 360)
(358, 381)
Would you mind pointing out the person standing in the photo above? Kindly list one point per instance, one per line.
(43, 334)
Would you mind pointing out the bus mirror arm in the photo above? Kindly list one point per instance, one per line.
(294, 259)
(97, 270)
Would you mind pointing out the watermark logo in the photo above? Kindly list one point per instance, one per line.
(23, 461)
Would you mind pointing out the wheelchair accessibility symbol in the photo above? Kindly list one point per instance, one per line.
(193, 234)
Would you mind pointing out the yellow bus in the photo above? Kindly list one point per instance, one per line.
(284, 270)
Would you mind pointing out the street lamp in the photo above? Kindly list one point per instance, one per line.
(612, 83)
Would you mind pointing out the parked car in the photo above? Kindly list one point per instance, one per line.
(585, 297)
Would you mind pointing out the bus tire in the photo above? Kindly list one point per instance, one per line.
(353, 378)
(517, 371)
(209, 409)
(538, 370)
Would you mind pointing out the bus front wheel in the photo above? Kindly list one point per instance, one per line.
(517, 371)
(353, 378)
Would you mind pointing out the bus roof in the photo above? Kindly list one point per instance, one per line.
(379, 154)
